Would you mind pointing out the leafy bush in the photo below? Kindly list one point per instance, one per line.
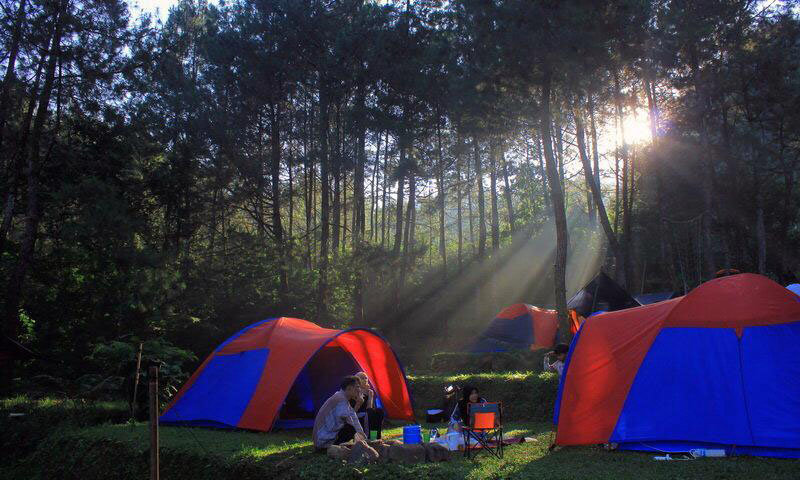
(526, 396)
(118, 359)
(513, 361)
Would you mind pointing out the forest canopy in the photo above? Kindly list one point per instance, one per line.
(409, 166)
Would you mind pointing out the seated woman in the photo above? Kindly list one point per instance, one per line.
(371, 418)
(459, 416)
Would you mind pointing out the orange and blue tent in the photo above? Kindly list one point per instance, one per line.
(716, 368)
(278, 372)
(518, 327)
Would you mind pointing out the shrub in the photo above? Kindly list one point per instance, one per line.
(526, 396)
(513, 361)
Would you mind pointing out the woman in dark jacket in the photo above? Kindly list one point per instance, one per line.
(459, 415)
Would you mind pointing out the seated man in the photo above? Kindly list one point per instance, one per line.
(371, 418)
(336, 421)
(560, 352)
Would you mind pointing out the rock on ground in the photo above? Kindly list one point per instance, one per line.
(362, 453)
(436, 453)
(411, 453)
(338, 452)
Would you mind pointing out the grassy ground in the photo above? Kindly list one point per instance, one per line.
(120, 451)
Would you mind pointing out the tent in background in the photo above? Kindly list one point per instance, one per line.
(518, 327)
(794, 288)
(278, 372)
(602, 293)
(648, 298)
(717, 368)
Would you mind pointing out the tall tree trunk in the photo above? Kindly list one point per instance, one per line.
(542, 172)
(459, 226)
(398, 226)
(16, 281)
(408, 236)
(359, 173)
(344, 210)
(336, 167)
(469, 210)
(373, 209)
(562, 238)
(19, 157)
(481, 201)
(613, 242)
(441, 199)
(10, 76)
(383, 199)
(707, 168)
(307, 172)
(493, 194)
(322, 292)
(277, 225)
(290, 166)
(595, 152)
(507, 191)
(626, 236)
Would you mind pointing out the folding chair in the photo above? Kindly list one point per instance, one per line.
(485, 427)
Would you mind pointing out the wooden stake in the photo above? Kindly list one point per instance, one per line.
(153, 374)
(136, 381)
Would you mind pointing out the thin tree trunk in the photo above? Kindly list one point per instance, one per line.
(358, 175)
(562, 239)
(322, 292)
(707, 169)
(373, 209)
(613, 242)
(507, 192)
(481, 201)
(595, 153)
(459, 200)
(344, 210)
(398, 227)
(542, 172)
(469, 210)
(626, 234)
(493, 194)
(307, 169)
(441, 188)
(383, 200)
(277, 225)
(336, 167)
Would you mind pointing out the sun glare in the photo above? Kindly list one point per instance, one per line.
(637, 128)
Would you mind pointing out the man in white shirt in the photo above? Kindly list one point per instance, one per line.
(336, 421)
(559, 352)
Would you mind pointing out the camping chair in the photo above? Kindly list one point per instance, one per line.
(485, 427)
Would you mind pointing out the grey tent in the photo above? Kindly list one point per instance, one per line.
(601, 294)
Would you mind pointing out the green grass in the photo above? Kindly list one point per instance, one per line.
(121, 451)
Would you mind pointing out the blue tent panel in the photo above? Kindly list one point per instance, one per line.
(772, 380)
(504, 334)
(648, 298)
(688, 388)
(230, 380)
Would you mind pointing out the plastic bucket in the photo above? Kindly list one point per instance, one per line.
(412, 434)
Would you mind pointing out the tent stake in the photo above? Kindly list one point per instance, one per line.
(153, 377)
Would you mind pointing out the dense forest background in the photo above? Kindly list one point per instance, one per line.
(407, 166)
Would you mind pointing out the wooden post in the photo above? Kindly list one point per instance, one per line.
(153, 374)
(136, 381)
